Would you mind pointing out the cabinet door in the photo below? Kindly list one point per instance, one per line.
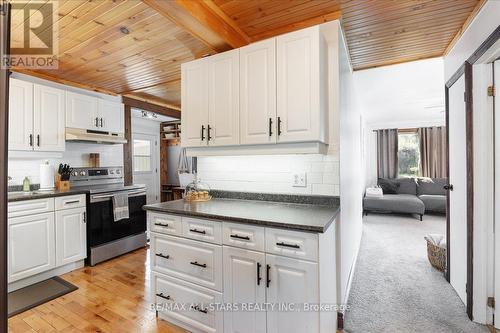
(292, 281)
(244, 282)
(298, 106)
(49, 118)
(258, 92)
(111, 116)
(30, 245)
(81, 111)
(71, 236)
(194, 95)
(224, 92)
(20, 115)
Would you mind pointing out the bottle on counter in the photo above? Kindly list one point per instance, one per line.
(26, 184)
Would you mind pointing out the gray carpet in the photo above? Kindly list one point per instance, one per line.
(395, 289)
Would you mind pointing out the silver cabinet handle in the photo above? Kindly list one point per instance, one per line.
(71, 202)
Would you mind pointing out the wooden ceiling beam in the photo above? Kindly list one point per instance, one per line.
(48, 77)
(204, 20)
(298, 25)
(146, 105)
(150, 86)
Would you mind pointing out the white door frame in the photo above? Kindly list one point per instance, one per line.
(155, 154)
(486, 278)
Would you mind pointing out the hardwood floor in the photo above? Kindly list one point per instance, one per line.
(112, 297)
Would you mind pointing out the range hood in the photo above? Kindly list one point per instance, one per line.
(86, 135)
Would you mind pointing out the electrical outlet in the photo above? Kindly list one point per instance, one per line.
(299, 179)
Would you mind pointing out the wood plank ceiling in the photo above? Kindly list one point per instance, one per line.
(135, 48)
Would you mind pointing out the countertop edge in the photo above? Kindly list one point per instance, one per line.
(45, 195)
(274, 224)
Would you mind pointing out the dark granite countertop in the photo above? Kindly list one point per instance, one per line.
(295, 216)
(37, 194)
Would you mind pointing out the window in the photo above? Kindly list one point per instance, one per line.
(142, 155)
(408, 154)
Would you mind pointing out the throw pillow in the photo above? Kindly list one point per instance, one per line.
(388, 186)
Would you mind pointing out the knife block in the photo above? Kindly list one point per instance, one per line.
(62, 185)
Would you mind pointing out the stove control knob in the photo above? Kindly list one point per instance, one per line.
(111, 171)
(75, 173)
(118, 171)
(82, 173)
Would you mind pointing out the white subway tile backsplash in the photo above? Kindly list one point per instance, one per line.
(76, 154)
(271, 174)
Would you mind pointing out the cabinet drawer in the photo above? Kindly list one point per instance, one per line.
(295, 244)
(204, 230)
(244, 236)
(70, 201)
(193, 261)
(30, 207)
(196, 314)
(165, 224)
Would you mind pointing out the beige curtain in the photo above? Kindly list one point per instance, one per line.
(433, 151)
(387, 153)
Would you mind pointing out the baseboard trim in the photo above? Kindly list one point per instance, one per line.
(13, 286)
(341, 313)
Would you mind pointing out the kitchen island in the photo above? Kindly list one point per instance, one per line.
(225, 257)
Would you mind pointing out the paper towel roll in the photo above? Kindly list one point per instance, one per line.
(46, 176)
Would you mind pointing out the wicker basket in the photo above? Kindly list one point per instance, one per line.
(437, 256)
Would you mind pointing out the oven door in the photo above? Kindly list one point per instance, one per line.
(101, 227)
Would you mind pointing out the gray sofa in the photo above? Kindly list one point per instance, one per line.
(412, 196)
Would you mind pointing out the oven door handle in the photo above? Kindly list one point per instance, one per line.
(109, 196)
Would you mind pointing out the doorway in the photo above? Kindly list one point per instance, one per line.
(145, 154)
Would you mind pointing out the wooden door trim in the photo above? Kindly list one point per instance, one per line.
(469, 141)
(4, 125)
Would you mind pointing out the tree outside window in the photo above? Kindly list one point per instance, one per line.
(408, 154)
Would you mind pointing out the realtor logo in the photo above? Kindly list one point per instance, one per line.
(33, 35)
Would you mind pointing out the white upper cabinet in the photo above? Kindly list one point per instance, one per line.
(20, 115)
(301, 86)
(89, 112)
(223, 110)
(81, 111)
(258, 92)
(194, 96)
(36, 117)
(111, 116)
(49, 118)
(270, 92)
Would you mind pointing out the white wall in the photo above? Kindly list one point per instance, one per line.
(351, 174)
(480, 28)
(76, 154)
(407, 95)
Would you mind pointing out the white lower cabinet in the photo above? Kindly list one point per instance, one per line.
(43, 237)
(187, 304)
(193, 261)
(31, 248)
(244, 283)
(256, 272)
(71, 235)
(292, 281)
